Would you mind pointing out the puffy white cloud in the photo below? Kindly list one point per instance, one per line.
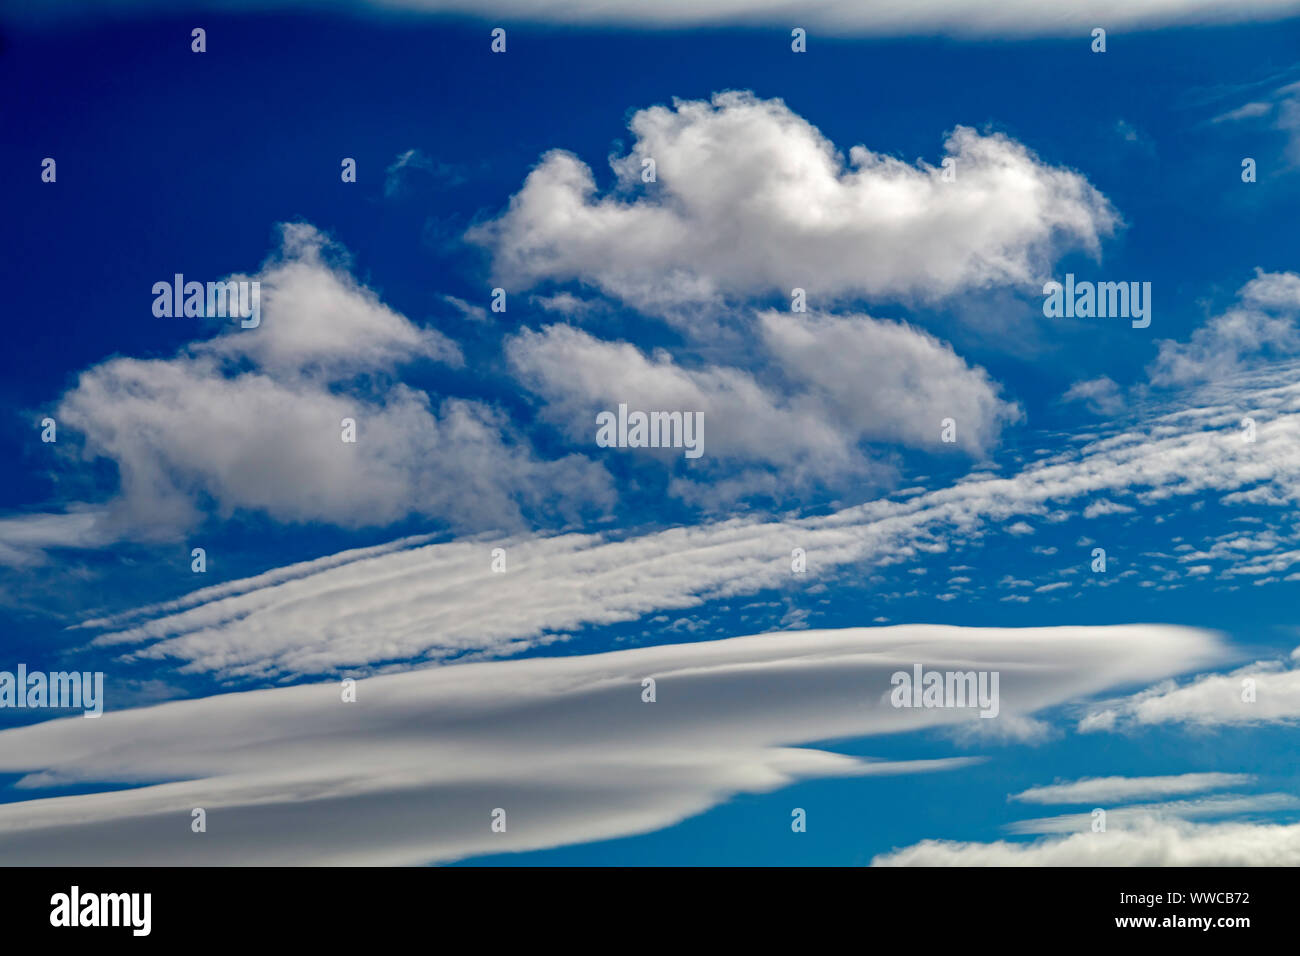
(1148, 842)
(1262, 693)
(887, 381)
(751, 199)
(252, 420)
(1103, 507)
(318, 322)
(825, 387)
(442, 600)
(579, 375)
(834, 383)
(1113, 789)
(411, 771)
(1102, 395)
(1260, 324)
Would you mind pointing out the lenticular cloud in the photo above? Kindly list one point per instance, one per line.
(412, 770)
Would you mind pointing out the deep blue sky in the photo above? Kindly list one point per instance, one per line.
(174, 162)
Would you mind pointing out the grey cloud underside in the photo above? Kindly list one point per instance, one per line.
(411, 772)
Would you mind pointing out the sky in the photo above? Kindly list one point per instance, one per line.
(835, 259)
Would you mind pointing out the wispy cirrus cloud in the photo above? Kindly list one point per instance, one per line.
(1220, 806)
(1110, 789)
(1281, 108)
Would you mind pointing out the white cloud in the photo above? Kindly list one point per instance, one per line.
(830, 385)
(412, 172)
(1220, 806)
(887, 381)
(1103, 507)
(1012, 18)
(1260, 324)
(1150, 842)
(1283, 105)
(24, 539)
(1245, 111)
(751, 199)
(566, 303)
(1288, 121)
(251, 419)
(1102, 395)
(1114, 789)
(467, 310)
(411, 772)
(1211, 700)
(442, 599)
(318, 321)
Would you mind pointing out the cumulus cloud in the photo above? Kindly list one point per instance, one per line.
(318, 321)
(411, 771)
(442, 600)
(1261, 325)
(1112, 789)
(1148, 842)
(751, 199)
(833, 384)
(1101, 395)
(251, 420)
(1103, 507)
(1266, 692)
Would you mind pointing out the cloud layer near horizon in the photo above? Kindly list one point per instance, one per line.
(833, 17)
(411, 772)
(1147, 841)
